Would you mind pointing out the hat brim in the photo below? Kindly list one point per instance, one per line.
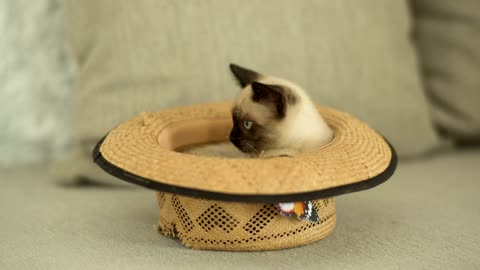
(141, 151)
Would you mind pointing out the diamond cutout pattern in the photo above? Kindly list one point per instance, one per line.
(216, 216)
(187, 223)
(261, 219)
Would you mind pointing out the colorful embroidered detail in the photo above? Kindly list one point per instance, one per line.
(303, 210)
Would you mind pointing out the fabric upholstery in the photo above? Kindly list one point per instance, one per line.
(448, 38)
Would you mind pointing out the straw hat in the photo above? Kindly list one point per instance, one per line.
(141, 151)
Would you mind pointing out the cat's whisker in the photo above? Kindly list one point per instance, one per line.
(252, 148)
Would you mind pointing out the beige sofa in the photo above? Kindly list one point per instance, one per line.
(359, 57)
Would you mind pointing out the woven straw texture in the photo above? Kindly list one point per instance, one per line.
(357, 153)
(218, 225)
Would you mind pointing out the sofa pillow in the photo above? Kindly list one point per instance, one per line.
(147, 55)
(448, 39)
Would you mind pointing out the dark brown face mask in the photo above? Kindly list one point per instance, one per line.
(246, 134)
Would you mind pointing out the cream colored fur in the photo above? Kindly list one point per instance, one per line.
(302, 130)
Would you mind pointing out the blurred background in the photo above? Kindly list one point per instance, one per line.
(36, 76)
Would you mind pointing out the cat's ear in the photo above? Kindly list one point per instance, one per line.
(275, 97)
(244, 76)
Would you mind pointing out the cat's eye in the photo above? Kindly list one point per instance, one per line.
(247, 124)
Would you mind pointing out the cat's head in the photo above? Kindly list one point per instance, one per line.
(272, 115)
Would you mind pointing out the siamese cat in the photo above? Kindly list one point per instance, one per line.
(274, 117)
(271, 117)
